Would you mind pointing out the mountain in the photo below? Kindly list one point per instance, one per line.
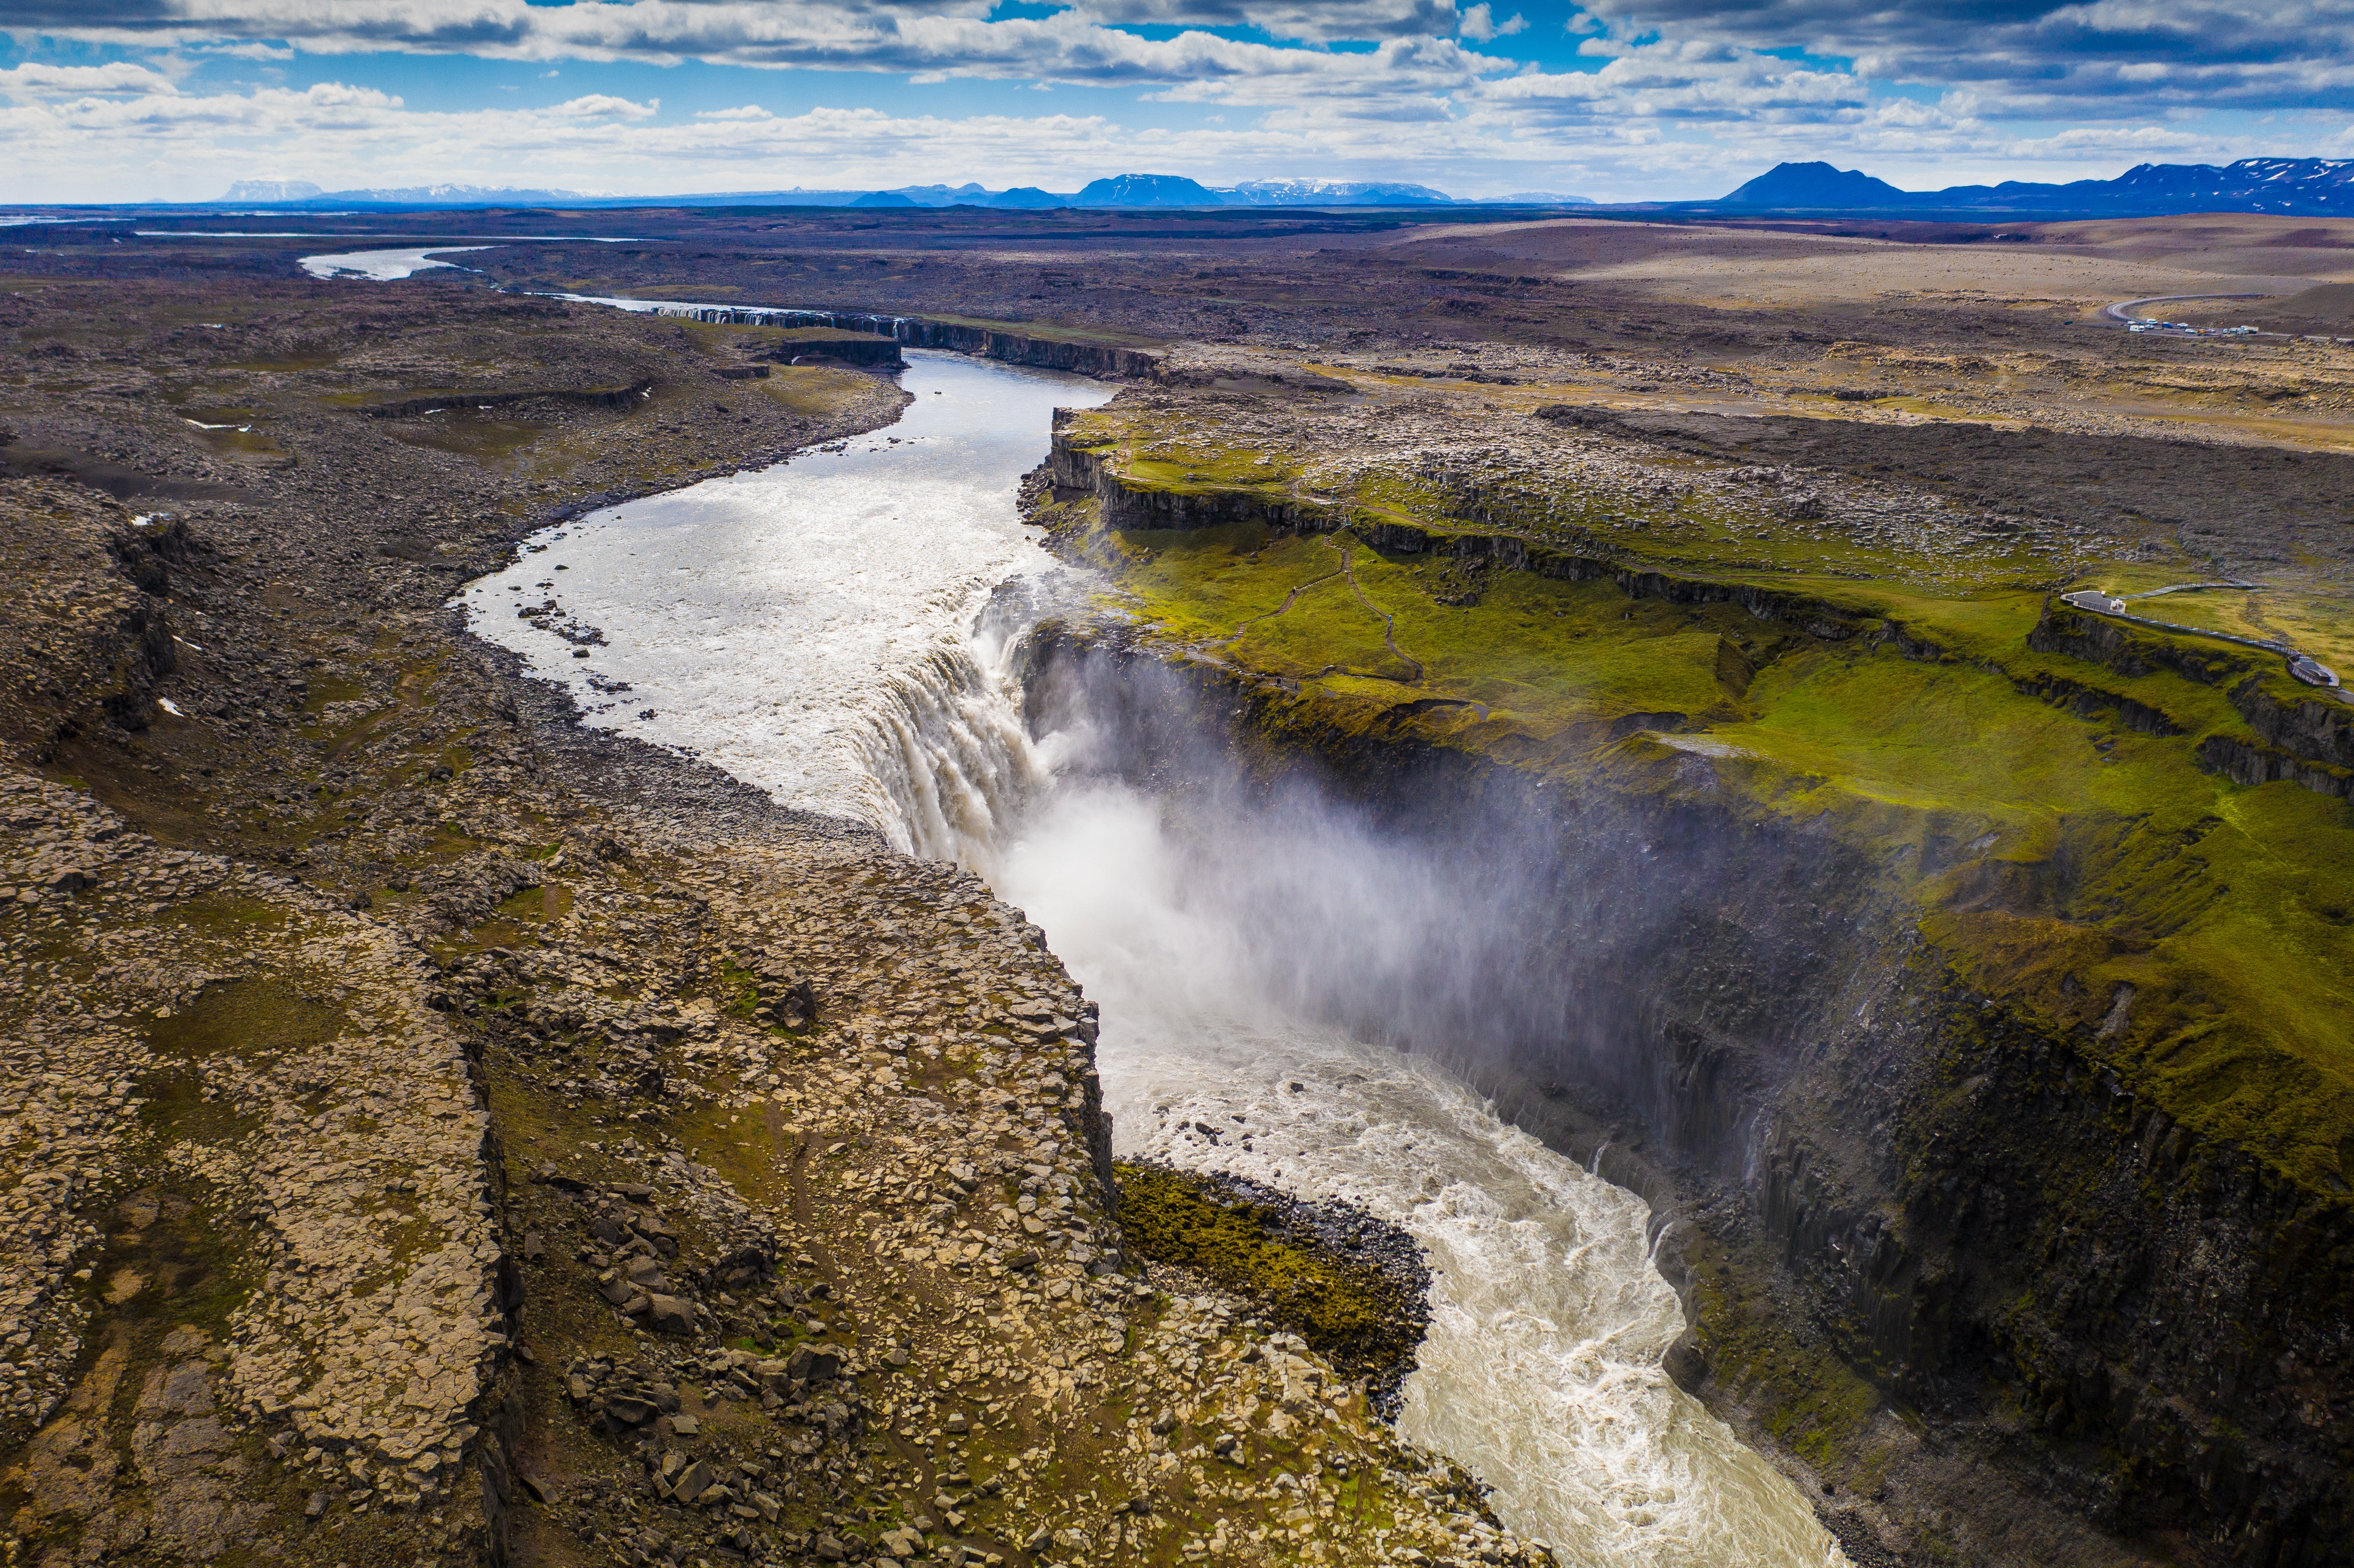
(2305, 186)
(971, 193)
(1329, 193)
(468, 196)
(1118, 191)
(1147, 190)
(2313, 187)
(1816, 185)
(1536, 199)
(302, 193)
(272, 190)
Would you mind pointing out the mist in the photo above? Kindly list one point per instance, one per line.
(1273, 963)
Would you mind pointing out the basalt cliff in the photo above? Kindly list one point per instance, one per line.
(1886, 928)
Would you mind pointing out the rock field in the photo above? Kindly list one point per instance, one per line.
(444, 1135)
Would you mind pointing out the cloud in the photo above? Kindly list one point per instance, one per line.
(277, 52)
(1480, 24)
(872, 35)
(1301, 21)
(35, 81)
(1663, 96)
(599, 106)
(1691, 82)
(2117, 59)
(2025, 57)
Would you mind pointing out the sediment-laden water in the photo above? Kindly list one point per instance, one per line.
(816, 629)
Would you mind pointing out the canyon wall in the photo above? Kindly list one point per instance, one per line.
(1966, 1203)
(1022, 348)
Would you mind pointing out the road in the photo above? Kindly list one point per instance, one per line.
(2116, 312)
(2304, 666)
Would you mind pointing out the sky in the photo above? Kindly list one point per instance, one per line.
(1617, 99)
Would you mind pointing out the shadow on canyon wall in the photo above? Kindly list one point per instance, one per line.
(2131, 1324)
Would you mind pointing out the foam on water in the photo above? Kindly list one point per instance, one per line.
(808, 627)
(815, 630)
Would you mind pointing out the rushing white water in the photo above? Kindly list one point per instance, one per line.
(813, 630)
(800, 626)
(1542, 1370)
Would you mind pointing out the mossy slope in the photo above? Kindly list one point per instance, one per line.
(2056, 823)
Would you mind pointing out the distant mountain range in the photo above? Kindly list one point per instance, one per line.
(303, 193)
(1118, 191)
(2308, 187)
(2314, 187)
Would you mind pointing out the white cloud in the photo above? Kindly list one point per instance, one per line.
(36, 81)
(274, 52)
(599, 106)
(1691, 82)
(1081, 42)
(2110, 58)
(1481, 26)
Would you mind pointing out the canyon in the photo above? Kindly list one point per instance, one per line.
(1948, 975)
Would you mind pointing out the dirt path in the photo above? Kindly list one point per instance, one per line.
(1389, 622)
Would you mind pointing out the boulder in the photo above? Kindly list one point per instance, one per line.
(814, 1363)
(670, 1315)
(691, 1482)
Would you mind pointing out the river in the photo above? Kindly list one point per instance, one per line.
(818, 629)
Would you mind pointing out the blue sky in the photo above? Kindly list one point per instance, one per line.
(132, 100)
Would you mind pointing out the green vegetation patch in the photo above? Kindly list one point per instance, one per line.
(819, 391)
(2056, 821)
(1795, 1386)
(1366, 1316)
(253, 1020)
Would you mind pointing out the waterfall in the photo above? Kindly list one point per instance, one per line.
(950, 761)
(849, 633)
(1542, 1372)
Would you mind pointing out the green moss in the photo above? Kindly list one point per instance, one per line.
(2054, 851)
(1792, 1384)
(333, 689)
(252, 1019)
(174, 1107)
(816, 390)
(1353, 1313)
(739, 987)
